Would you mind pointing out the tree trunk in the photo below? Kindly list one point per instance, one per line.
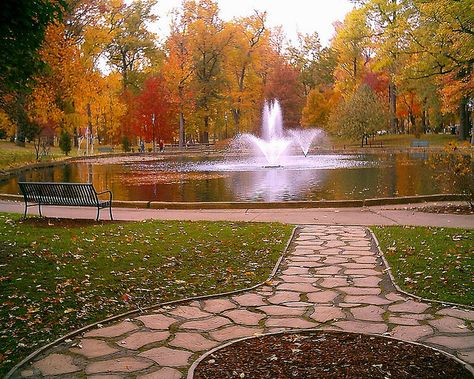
(392, 98)
(204, 136)
(236, 116)
(181, 130)
(423, 117)
(464, 124)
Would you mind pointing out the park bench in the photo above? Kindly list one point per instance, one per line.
(105, 149)
(67, 194)
(419, 143)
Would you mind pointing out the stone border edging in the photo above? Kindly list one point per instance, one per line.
(152, 307)
(299, 331)
(144, 204)
(397, 287)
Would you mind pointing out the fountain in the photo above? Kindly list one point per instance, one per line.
(305, 137)
(274, 144)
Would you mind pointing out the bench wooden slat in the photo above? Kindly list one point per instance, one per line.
(63, 194)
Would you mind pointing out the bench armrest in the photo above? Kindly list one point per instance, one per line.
(109, 192)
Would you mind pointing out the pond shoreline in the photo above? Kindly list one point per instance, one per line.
(199, 151)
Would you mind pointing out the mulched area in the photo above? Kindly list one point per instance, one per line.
(460, 209)
(324, 354)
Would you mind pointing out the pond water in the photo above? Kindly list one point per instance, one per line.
(184, 178)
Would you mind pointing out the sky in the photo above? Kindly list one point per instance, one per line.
(304, 16)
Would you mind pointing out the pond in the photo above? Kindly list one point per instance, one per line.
(178, 178)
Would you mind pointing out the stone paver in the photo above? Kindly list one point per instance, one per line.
(56, 364)
(332, 279)
(193, 342)
(368, 313)
(165, 356)
(327, 313)
(112, 331)
(163, 373)
(125, 364)
(92, 348)
(234, 332)
(218, 305)
(362, 326)
(140, 339)
(160, 322)
(411, 333)
(245, 317)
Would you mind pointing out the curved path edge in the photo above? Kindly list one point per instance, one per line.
(86, 328)
(333, 279)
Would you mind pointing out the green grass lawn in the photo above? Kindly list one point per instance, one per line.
(12, 156)
(56, 276)
(395, 140)
(435, 263)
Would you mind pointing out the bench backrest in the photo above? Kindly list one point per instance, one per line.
(80, 194)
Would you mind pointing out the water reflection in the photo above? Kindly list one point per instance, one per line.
(193, 179)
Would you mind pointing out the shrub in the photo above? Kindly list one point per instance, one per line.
(65, 142)
(456, 165)
(126, 145)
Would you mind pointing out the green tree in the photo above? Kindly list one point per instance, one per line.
(65, 142)
(360, 115)
(22, 27)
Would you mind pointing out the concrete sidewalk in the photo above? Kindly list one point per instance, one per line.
(377, 215)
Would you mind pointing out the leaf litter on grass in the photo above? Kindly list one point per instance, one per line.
(58, 275)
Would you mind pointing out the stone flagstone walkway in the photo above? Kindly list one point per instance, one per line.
(333, 278)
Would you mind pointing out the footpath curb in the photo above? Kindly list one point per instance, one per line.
(183, 205)
(150, 308)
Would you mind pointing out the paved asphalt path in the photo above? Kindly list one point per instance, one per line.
(406, 214)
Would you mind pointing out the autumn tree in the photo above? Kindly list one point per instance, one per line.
(155, 115)
(353, 51)
(442, 40)
(305, 57)
(131, 44)
(360, 115)
(242, 65)
(209, 39)
(178, 68)
(320, 102)
(283, 84)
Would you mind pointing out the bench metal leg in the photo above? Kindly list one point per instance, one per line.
(110, 211)
(39, 207)
(97, 218)
(26, 209)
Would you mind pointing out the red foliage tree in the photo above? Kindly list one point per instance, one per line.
(283, 84)
(156, 113)
(378, 81)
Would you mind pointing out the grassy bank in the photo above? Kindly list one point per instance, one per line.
(435, 263)
(12, 156)
(56, 276)
(394, 140)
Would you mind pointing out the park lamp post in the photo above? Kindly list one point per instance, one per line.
(153, 130)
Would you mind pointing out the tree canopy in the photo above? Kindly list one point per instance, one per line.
(94, 67)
